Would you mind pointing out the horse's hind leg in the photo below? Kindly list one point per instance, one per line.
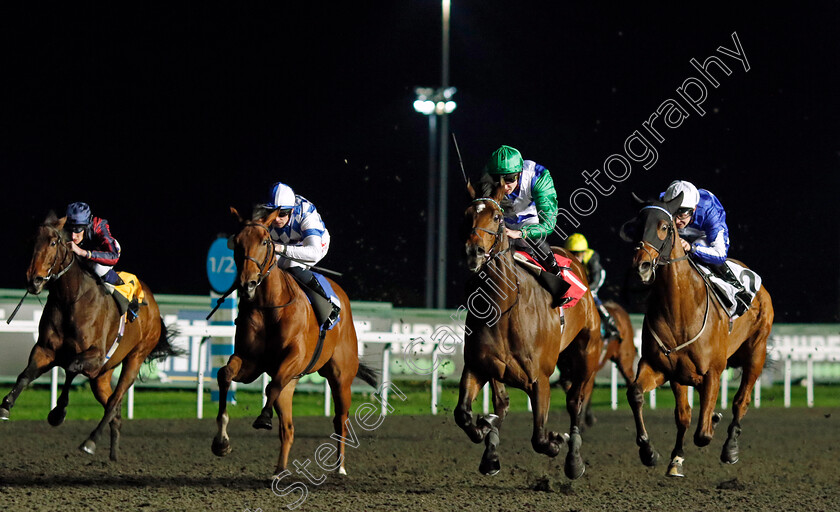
(57, 415)
(130, 369)
(101, 388)
(542, 440)
(577, 400)
(283, 406)
(682, 417)
(751, 372)
(340, 383)
(646, 379)
(40, 360)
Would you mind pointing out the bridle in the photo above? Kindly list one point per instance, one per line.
(64, 268)
(664, 250)
(270, 260)
(497, 235)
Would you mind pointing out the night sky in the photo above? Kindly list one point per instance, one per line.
(161, 119)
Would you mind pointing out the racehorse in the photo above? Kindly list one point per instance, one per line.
(277, 334)
(79, 331)
(687, 338)
(514, 337)
(621, 350)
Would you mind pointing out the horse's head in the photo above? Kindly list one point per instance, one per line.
(654, 233)
(253, 252)
(484, 225)
(50, 255)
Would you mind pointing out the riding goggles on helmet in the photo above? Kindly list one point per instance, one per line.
(684, 212)
(511, 178)
(78, 229)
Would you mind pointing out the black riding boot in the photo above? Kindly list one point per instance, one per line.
(742, 297)
(325, 310)
(610, 327)
(552, 277)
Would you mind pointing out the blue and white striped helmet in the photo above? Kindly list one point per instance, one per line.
(282, 196)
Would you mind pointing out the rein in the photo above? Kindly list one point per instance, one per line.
(270, 259)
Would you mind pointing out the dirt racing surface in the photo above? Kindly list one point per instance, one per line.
(789, 461)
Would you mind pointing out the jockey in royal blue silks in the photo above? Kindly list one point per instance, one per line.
(301, 240)
(701, 221)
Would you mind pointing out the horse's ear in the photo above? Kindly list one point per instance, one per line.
(499, 191)
(59, 223)
(51, 219)
(268, 219)
(236, 215)
(470, 190)
(674, 204)
(638, 199)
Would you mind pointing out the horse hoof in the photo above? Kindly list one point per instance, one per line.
(220, 447)
(489, 466)
(88, 447)
(675, 468)
(574, 467)
(716, 417)
(729, 454)
(649, 456)
(56, 416)
(702, 440)
(4, 414)
(262, 423)
(342, 471)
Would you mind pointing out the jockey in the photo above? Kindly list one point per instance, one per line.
(530, 207)
(93, 243)
(702, 220)
(579, 247)
(300, 240)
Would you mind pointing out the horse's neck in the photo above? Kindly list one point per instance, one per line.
(276, 290)
(680, 287)
(500, 282)
(72, 284)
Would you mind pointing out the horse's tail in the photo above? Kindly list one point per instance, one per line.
(368, 374)
(164, 347)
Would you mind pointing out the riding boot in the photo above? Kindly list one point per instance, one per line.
(610, 327)
(122, 302)
(326, 311)
(742, 297)
(552, 279)
(112, 277)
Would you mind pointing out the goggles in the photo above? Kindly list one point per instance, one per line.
(284, 213)
(511, 178)
(78, 228)
(684, 212)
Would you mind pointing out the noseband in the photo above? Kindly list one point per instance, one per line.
(270, 260)
(664, 249)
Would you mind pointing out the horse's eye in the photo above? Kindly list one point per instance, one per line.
(265, 242)
(52, 243)
(497, 218)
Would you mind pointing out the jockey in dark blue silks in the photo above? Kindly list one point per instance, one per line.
(701, 221)
(301, 240)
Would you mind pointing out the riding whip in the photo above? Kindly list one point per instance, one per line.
(17, 308)
(460, 162)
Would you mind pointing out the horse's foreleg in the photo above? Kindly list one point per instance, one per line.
(647, 379)
(682, 417)
(40, 360)
(283, 405)
(708, 420)
(470, 385)
(221, 443)
(501, 399)
(272, 393)
(130, 369)
(57, 415)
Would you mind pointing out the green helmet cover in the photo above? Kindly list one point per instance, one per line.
(505, 160)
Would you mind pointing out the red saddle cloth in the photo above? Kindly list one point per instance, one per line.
(576, 288)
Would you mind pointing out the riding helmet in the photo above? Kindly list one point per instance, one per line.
(78, 214)
(576, 243)
(690, 195)
(505, 160)
(282, 196)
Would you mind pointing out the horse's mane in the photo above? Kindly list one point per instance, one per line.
(488, 187)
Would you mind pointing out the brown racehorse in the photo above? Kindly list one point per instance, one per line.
(277, 334)
(621, 350)
(79, 326)
(514, 337)
(686, 338)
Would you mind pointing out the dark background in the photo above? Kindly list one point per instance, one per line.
(161, 118)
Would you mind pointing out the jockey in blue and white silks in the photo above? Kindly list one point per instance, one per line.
(301, 240)
(701, 221)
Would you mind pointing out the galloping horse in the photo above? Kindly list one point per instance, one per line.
(277, 334)
(519, 343)
(687, 339)
(621, 350)
(79, 331)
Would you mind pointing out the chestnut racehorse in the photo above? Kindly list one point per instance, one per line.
(79, 328)
(277, 334)
(514, 337)
(687, 340)
(621, 350)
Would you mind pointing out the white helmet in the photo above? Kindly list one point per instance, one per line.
(282, 196)
(690, 195)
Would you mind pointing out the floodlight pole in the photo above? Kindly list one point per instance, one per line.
(444, 170)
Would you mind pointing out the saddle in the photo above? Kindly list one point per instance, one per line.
(576, 287)
(723, 291)
(129, 295)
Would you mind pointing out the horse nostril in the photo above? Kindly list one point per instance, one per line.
(644, 266)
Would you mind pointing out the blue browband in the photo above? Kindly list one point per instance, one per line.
(492, 201)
